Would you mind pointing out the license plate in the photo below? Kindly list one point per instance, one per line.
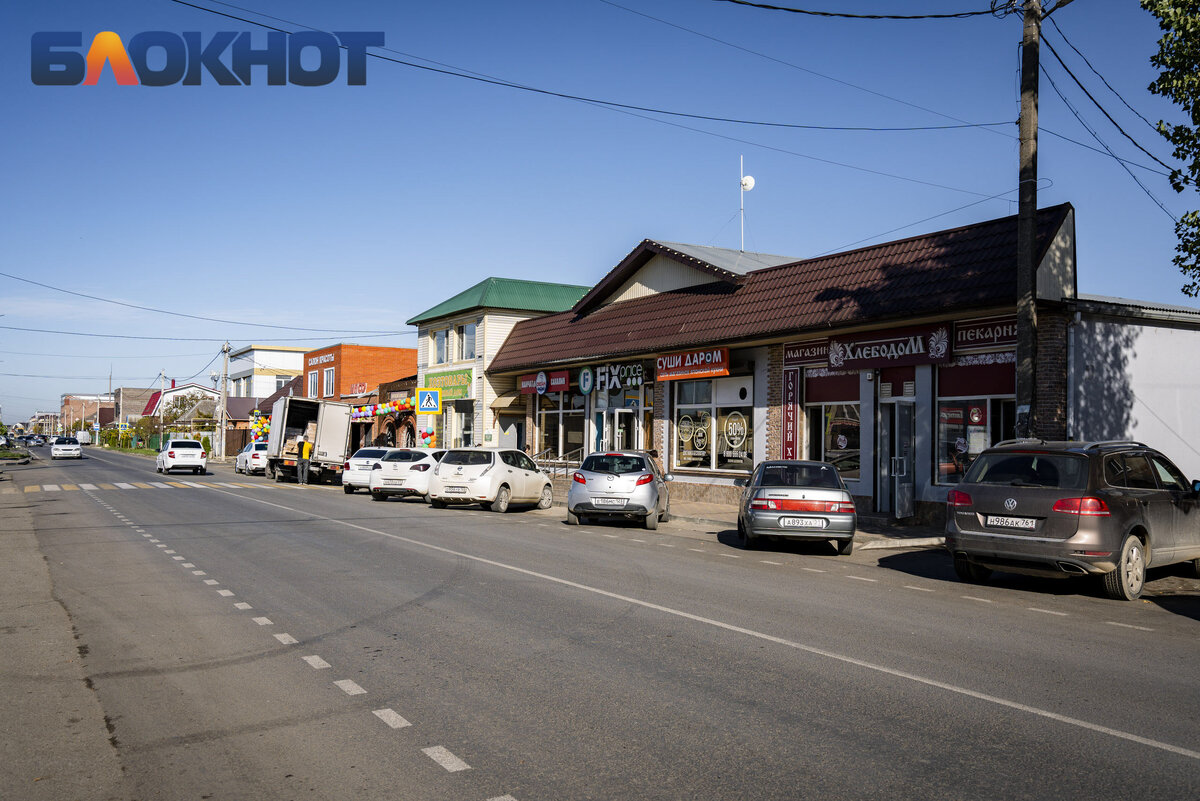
(608, 501)
(456, 490)
(1026, 523)
(393, 481)
(801, 522)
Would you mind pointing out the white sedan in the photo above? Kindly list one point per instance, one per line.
(187, 454)
(251, 459)
(66, 448)
(404, 471)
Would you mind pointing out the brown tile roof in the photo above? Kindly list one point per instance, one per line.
(973, 267)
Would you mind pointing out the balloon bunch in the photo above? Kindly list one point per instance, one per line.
(427, 437)
(260, 427)
(380, 409)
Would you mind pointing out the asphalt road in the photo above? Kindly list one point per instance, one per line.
(274, 642)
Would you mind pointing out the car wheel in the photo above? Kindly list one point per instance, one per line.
(968, 571)
(547, 499)
(436, 504)
(378, 496)
(348, 489)
(572, 518)
(650, 521)
(844, 547)
(502, 497)
(1126, 582)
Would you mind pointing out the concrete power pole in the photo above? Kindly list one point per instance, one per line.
(1027, 225)
(224, 398)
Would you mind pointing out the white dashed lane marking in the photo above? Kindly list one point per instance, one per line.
(227, 594)
(286, 639)
(391, 718)
(446, 759)
(241, 604)
(918, 589)
(263, 621)
(1046, 611)
(315, 662)
(211, 582)
(974, 598)
(349, 687)
(1128, 626)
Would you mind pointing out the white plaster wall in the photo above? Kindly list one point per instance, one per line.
(1137, 382)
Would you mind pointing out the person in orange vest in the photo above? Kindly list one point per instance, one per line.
(305, 449)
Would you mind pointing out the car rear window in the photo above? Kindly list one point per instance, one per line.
(369, 453)
(185, 443)
(260, 446)
(403, 456)
(800, 475)
(1029, 469)
(65, 441)
(615, 463)
(467, 457)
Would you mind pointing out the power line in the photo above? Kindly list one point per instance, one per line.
(843, 15)
(1101, 77)
(187, 339)
(94, 356)
(1108, 153)
(181, 314)
(455, 72)
(1096, 102)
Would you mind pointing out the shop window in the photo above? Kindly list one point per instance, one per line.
(464, 424)
(833, 436)
(560, 423)
(465, 342)
(966, 426)
(710, 437)
(329, 386)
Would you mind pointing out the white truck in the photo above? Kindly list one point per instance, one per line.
(324, 423)
(84, 437)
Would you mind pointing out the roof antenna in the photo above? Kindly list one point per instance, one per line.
(747, 183)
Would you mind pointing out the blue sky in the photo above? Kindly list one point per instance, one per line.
(355, 208)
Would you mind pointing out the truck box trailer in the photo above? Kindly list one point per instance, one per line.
(323, 423)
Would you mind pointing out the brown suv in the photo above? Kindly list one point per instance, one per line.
(1073, 509)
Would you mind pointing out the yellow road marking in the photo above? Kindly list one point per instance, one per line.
(177, 484)
(34, 488)
(140, 485)
(106, 486)
(70, 487)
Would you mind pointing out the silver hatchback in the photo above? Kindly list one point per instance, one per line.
(797, 500)
(619, 485)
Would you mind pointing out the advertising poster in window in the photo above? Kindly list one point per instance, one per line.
(735, 449)
(693, 444)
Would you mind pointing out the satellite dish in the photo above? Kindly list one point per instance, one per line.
(747, 183)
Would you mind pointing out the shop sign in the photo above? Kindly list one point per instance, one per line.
(986, 333)
(324, 359)
(608, 377)
(811, 352)
(791, 414)
(705, 363)
(897, 348)
(454, 384)
(542, 382)
(358, 389)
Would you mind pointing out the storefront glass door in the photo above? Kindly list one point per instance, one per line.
(896, 467)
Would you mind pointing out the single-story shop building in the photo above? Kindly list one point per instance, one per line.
(895, 362)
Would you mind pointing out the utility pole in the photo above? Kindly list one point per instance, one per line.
(162, 389)
(1027, 225)
(224, 397)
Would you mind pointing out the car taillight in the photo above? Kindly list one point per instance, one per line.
(345, 465)
(421, 467)
(957, 499)
(377, 466)
(170, 454)
(579, 479)
(645, 478)
(1084, 507)
(203, 454)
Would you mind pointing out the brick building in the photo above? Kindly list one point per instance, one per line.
(78, 411)
(352, 372)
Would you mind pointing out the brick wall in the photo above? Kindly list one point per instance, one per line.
(774, 403)
(359, 364)
(1051, 374)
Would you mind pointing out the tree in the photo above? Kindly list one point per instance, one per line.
(1179, 59)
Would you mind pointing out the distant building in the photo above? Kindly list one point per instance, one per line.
(257, 371)
(349, 373)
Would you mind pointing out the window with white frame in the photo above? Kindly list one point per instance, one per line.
(439, 346)
(464, 342)
(329, 388)
(312, 384)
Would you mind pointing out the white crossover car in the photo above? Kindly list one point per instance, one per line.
(251, 459)
(404, 472)
(66, 448)
(182, 454)
(490, 477)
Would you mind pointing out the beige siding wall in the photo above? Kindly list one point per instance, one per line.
(659, 275)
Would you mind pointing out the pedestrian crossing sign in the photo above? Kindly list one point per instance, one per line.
(429, 400)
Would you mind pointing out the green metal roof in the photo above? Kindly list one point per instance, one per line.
(507, 293)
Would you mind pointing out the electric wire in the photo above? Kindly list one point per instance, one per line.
(188, 316)
(1101, 77)
(185, 339)
(845, 15)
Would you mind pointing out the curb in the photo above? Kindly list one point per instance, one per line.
(916, 542)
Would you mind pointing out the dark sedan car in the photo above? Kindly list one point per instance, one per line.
(797, 500)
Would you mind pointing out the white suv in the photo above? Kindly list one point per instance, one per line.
(490, 477)
(182, 453)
